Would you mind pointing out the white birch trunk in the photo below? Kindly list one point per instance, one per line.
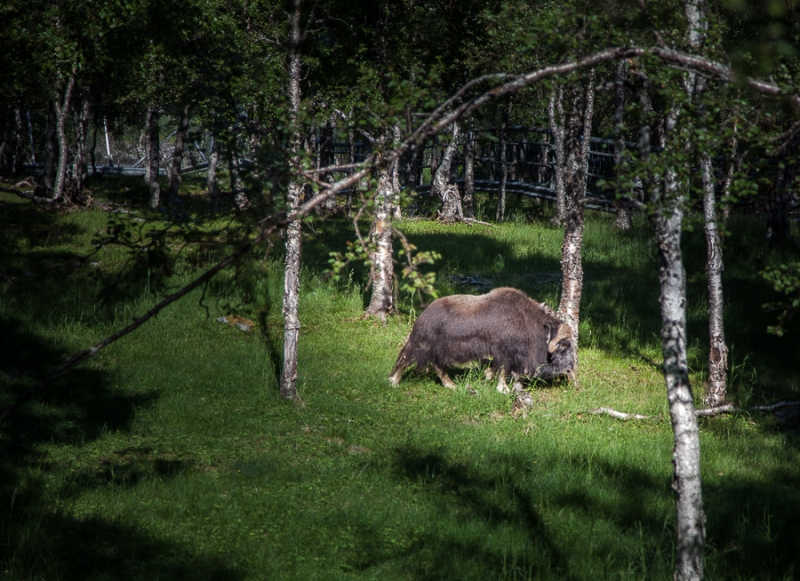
(469, 176)
(668, 220)
(211, 173)
(397, 213)
(153, 157)
(623, 219)
(716, 392)
(382, 272)
(175, 170)
(291, 285)
(556, 114)
(62, 109)
(726, 188)
(686, 453)
(576, 151)
(501, 197)
(439, 180)
(81, 132)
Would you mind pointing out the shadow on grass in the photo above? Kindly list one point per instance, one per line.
(487, 501)
(503, 519)
(40, 539)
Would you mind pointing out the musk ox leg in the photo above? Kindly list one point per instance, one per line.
(446, 381)
(394, 378)
(398, 369)
(502, 386)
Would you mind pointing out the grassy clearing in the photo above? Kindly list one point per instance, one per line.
(170, 455)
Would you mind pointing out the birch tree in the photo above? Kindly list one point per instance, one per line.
(291, 284)
(577, 130)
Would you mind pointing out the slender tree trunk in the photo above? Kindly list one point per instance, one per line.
(623, 219)
(440, 179)
(726, 188)
(81, 132)
(501, 197)
(718, 353)
(397, 213)
(434, 159)
(686, 480)
(291, 285)
(325, 158)
(175, 169)
(382, 275)
(469, 176)
(211, 172)
(153, 157)
(18, 158)
(45, 189)
(62, 110)
(252, 175)
(351, 156)
(110, 156)
(93, 148)
(556, 114)
(668, 220)
(576, 154)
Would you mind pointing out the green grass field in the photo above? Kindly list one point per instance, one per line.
(170, 455)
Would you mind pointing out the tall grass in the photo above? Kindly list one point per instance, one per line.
(171, 456)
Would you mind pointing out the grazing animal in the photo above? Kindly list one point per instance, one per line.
(505, 327)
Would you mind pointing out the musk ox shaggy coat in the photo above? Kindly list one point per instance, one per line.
(505, 327)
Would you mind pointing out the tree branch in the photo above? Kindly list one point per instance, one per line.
(27, 196)
(700, 413)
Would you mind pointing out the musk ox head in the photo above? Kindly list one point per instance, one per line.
(561, 351)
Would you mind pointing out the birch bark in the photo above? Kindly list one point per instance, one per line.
(18, 154)
(501, 197)
(667, 220)
(726, 188)
(577, 131)
(175, 170)
(62, 110)
(81, 119)
(291, 285)
(623, 219)
(716, 392)
(351, 159)
(451, 205)
(686, 453)
(382, 273)
(153, 157)
(211, 173)
(469, 176)
(46, 189)
(556, 114)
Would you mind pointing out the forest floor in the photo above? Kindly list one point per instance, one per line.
(170, 455)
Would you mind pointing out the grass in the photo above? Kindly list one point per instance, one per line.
(171, 456)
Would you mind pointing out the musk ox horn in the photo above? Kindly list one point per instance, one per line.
(564, 332)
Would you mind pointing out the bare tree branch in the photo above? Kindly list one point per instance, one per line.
(700, 413)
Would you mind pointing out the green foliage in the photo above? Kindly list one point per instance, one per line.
(785, 280)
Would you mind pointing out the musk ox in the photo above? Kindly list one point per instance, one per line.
(505, 327)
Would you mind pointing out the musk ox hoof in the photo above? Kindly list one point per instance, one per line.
(502, 387)
(394, 379)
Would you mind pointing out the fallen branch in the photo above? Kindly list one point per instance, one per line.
(728, 408)
(618, 415)
(29, 196)
(471, 221)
